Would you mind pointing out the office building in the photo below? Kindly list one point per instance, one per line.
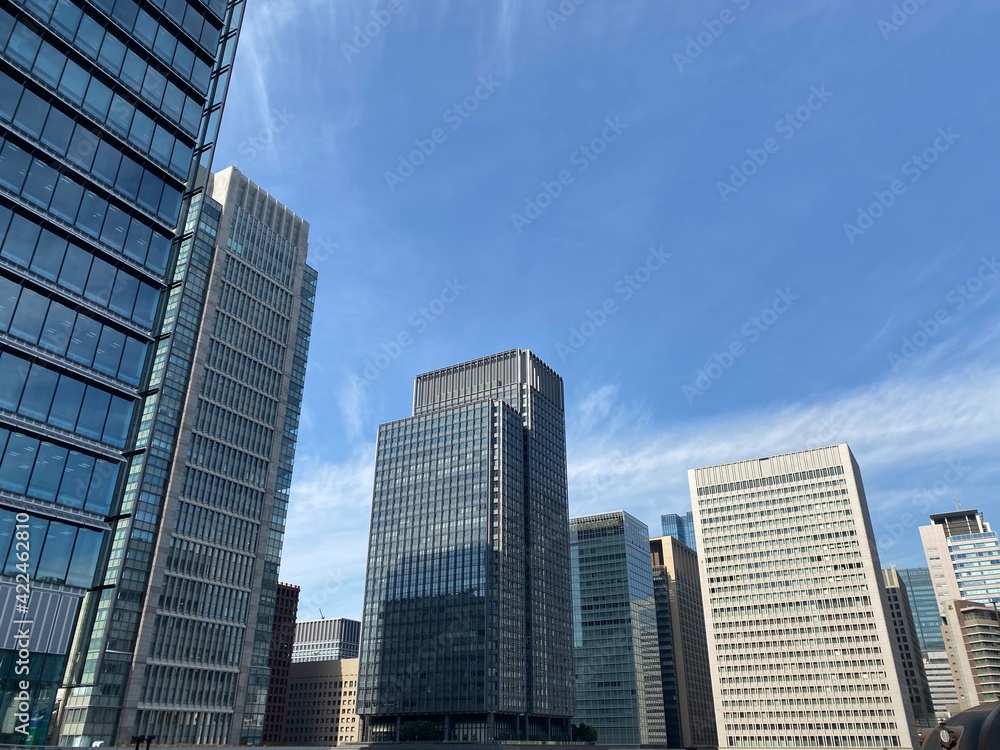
(279, 661)
(798, 622)
(963, 555)
(181, 626)
(618, 687)
(685, 672)
(907, 645)
(467, 615)
(107, 113)
(324, 640)
(321, 702)
(941, 682)
(924, 605)
(972, 640)
(680, 528)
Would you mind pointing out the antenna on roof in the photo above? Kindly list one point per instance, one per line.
(321, 615)
(958, 503)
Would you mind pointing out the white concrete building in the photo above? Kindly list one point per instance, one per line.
(798, 621)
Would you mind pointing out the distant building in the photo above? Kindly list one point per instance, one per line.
(323, 640)
(941, 682)
(798, 624)
(680, 528)
(924, 605)
(618, 685)
(321, 702)
(280, 661)
(963, 555)
(685, 672)
(972, 639)
(908, 648)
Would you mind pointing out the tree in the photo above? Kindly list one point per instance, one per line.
(583, 733)
(419, 731)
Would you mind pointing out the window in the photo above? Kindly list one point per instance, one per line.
(30, 316)
(66, 403)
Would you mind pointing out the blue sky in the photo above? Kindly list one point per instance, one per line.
(734, 229)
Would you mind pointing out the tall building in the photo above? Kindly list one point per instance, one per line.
(181, 623)
(323, 640)
(108, 114)
(680, 528)
(924, 605)
(972, 639)
(467, 614)
(685, 672)
(907, 645)
(941, 682)
(798, 620)
(963, 555)
(321, 703)
(618, 688)
(279, 661)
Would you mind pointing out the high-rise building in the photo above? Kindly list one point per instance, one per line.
(467, 616)
(685, 672)
(618, 687)
(108, 114)
(323, 640)
(923, 603)
(279, 661)
(321, 703)
(907, 645)
(180, 626)
(798, 620)
(963, 555)
(972, 640)
(680, 528)
(941, 682)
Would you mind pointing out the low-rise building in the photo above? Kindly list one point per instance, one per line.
(321, 701)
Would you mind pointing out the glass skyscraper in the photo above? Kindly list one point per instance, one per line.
(108, 112)
(467, 620)
(619, 690)
(680, 528)
(924, 604)
(179, 630)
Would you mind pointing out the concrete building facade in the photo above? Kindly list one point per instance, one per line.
(685, 671)
(798, 620)
(972, 640)
(615, 641)
(321, 703)
(963, 556)
(325, 640)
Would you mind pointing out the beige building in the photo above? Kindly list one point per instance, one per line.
(798, 621)
(684, 668)
(321, 698)
(972, 639)
(963, 556)
(908, 647)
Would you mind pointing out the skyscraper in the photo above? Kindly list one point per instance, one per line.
(972, 639)
(108, 112)
(798, 620)
(963, 555)
(618, 687)
(685, 672)
(184, 614)
(907, 645)
(680, 528)
(322, 640)
(467, 620)
(923, 603)
(280, 663)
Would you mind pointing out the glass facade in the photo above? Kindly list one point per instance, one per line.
(923, 603)
(195, 665)
(680, 528)
(107, 111)
(616, 644)
(467, 618)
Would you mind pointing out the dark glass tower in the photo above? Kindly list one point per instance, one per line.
(108, 112)
(467, 620)
(924, 603)
(680, 528)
